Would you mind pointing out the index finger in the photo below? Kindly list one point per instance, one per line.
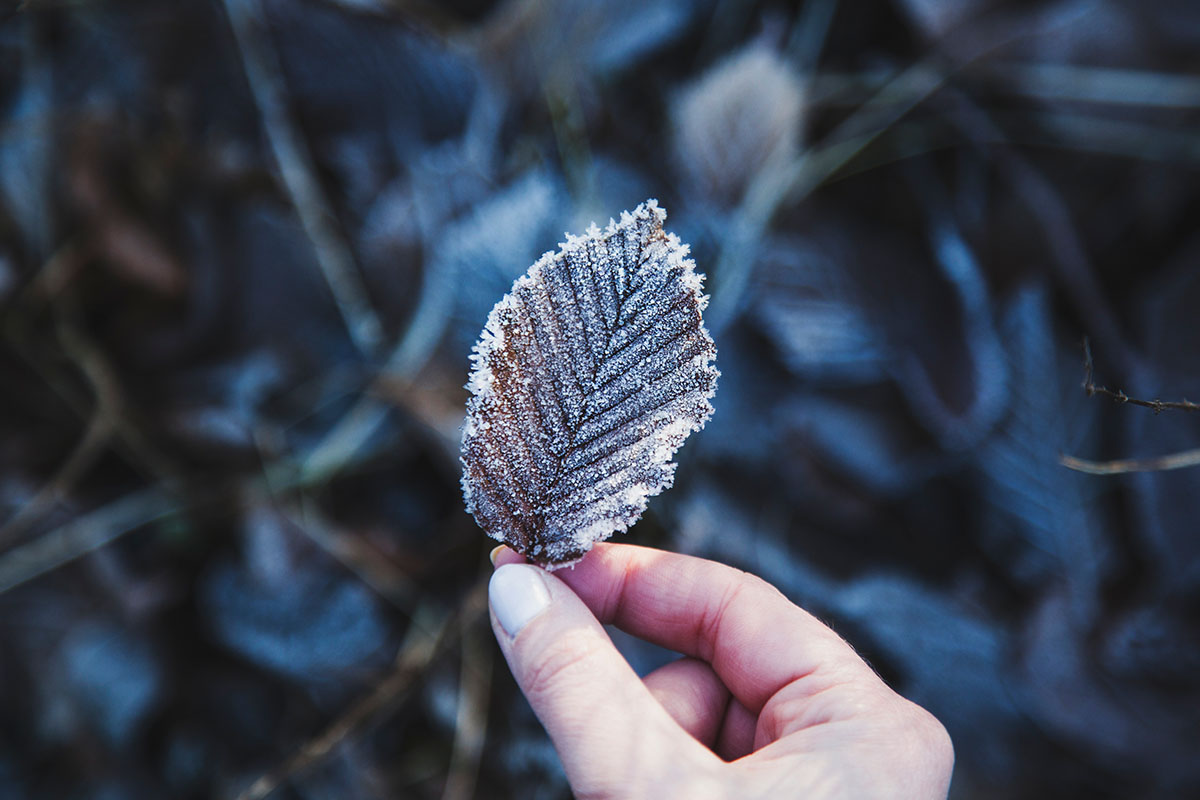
(756, 639)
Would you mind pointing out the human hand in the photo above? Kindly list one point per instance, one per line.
(767, 702)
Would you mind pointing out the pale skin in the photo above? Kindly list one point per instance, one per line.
(767, 702)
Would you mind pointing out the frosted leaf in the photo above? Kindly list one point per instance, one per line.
(744, 116)
(589, 375)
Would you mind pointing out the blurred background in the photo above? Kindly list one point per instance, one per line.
(245, 247)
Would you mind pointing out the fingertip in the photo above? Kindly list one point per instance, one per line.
(609, 732)
(503, 554)
(517, 593)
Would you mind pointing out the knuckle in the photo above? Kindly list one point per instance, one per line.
(742, 585)
(941, 747)
(811, 700)
(561, 663)
(754, 584)
(932, 738)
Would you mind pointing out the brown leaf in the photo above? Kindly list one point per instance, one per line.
(587, 378)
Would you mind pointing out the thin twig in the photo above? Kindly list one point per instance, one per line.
(56, 271)
(1119, 396)
(1188, 458)
(95, 439)
(425, 641)
(431, 314)
(470, 729)
(345, 441)
(107, 424)
(371, 566)
(106, 387)
(265, 76)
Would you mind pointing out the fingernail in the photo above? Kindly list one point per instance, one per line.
(495, 552)
(518, 593)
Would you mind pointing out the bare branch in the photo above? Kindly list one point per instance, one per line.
(1187, 458)
(1118, 396)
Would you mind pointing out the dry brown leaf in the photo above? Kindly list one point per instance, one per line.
(587, 378)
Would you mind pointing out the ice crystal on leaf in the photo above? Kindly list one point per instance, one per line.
(589, 375)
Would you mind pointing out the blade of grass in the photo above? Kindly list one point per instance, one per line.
(265, 76)
(84, 534)
(1187, 458)
(1053, 82)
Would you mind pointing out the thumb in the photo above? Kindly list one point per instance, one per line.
(612, 735)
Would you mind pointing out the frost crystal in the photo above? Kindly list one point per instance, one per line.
(589, 375)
